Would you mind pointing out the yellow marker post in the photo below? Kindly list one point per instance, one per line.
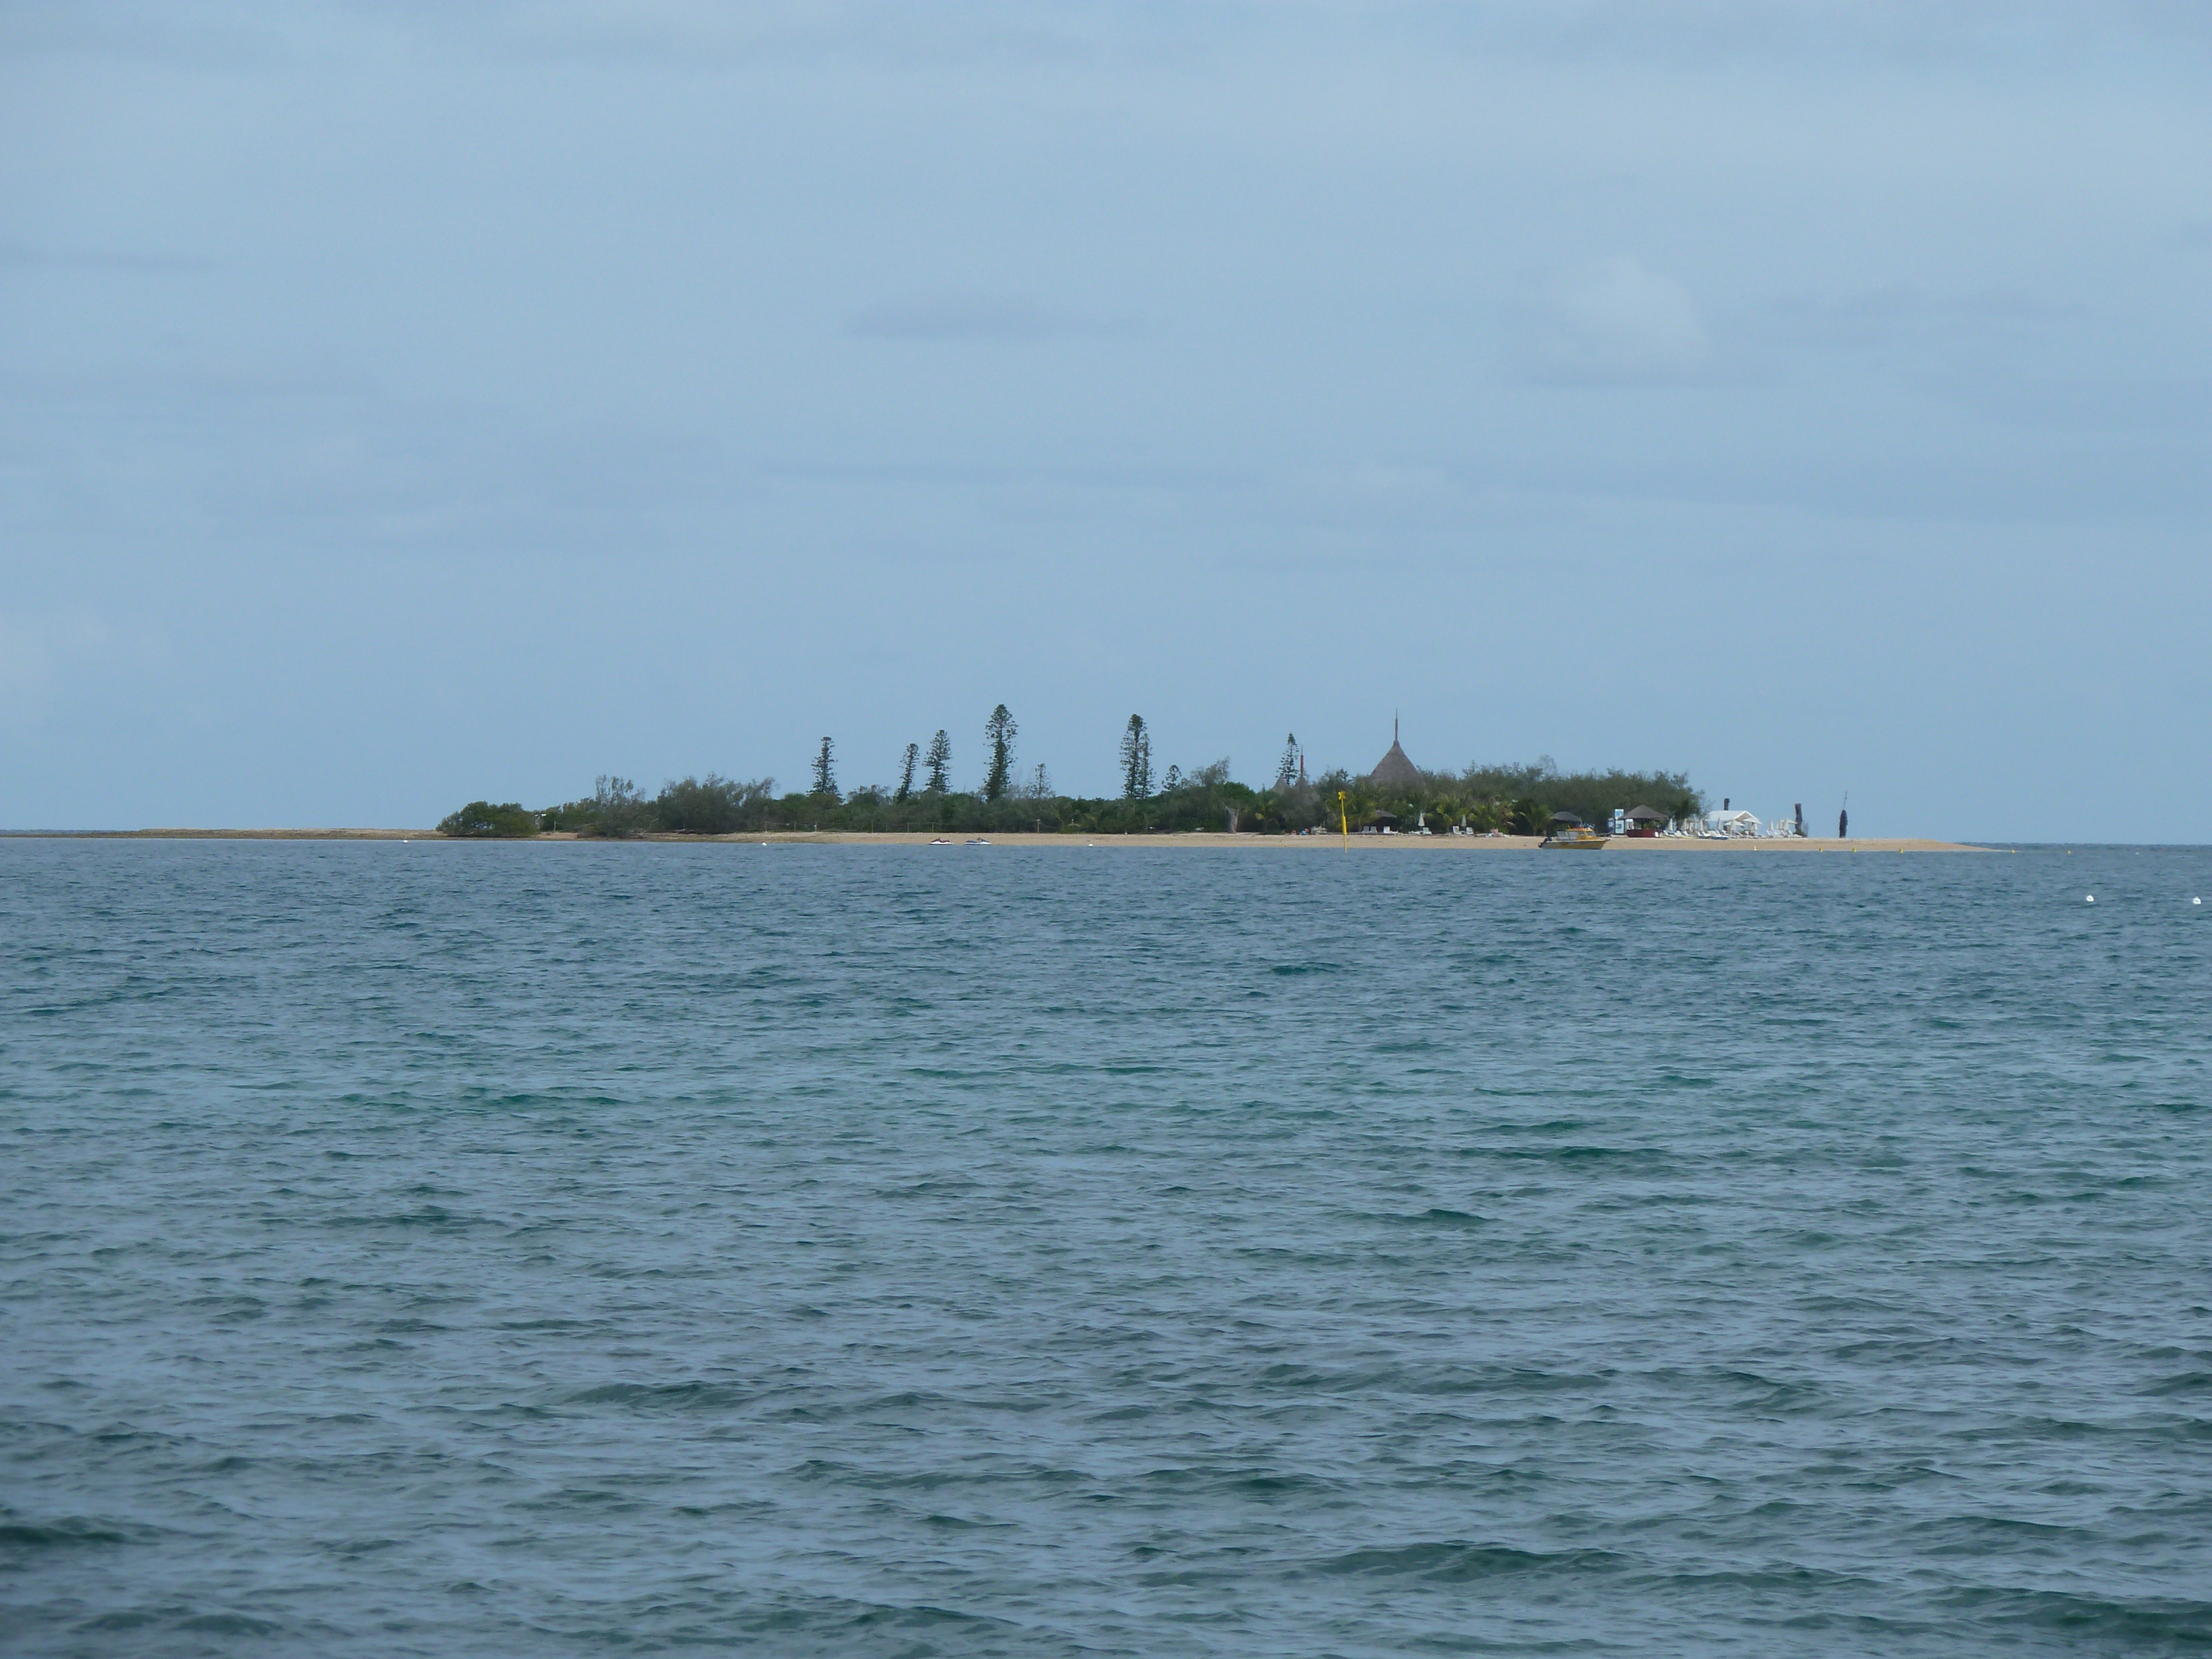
(1343, 822)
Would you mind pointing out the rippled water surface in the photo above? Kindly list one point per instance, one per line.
(537, 1250)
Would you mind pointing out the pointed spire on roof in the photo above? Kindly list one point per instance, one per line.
(1396, 768)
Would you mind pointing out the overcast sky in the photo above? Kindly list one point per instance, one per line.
(401, 404)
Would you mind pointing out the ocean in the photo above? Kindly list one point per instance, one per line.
(575, 1249)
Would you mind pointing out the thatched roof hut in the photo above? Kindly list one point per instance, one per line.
(1395, 770)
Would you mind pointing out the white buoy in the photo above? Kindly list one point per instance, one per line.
(2091, 897)
(2196, 901)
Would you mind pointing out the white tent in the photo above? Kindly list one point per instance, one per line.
(1738, 823)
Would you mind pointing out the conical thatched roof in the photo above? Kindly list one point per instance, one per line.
(1395, 768)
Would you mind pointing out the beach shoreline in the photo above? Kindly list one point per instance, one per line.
(1202, 839)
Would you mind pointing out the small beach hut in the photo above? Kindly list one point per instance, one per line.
(1644, 823)
(1395, 770)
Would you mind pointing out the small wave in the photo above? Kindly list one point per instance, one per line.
(1759, 1579)
(1248, 1483)
(922, 1617)
(668, 1396)
(2125, 1624)
(1978, 1535)
(1437, 1216)
(227, 1624)
(71, 1532)
(1458, 1563)
(964, 1523)
(435, 1217)
(198, 1624)
(1587, 1157)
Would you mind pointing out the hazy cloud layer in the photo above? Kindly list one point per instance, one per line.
(22, 257)
(403, 402)
(1612, 322)
(44, 655)
(976, 317)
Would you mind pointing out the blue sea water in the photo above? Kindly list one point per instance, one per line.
(544, 1249)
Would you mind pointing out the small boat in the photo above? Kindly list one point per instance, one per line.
(1569, 832)
(940, 841)
(977, 841)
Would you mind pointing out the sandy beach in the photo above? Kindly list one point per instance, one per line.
(1196, 839)
(1379, 843)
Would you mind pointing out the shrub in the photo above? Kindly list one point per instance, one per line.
(712, 806)
(481, 818)
(615, 809)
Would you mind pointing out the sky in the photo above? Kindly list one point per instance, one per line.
(412, 402)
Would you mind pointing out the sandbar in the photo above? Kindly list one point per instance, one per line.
(1197, 838)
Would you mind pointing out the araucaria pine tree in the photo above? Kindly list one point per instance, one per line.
(1136, 760)
(1287, 770)
(940, 759)
(906, 771)
(825, 773)
(998, 739)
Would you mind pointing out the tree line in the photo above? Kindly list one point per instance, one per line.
(1515, 799)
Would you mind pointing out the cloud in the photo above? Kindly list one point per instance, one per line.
(977, 316)
(694, 33)
(232, 37)
(20, 255)
(1612, 322)
(2013, 359)
(1703, 33)
(1902, 314)
(45, 655)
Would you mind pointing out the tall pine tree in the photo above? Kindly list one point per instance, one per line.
(999, 740)
(906, 772)
(825, 772)
(1287, 770)
(1136, 760)
(939, 760)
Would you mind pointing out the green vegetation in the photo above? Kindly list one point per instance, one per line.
(999, 741)
(1515, 799)
(710, 806)
(1136, 760)
(615, 809)
(482, 818)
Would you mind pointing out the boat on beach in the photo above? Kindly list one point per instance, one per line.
(1570, 833)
